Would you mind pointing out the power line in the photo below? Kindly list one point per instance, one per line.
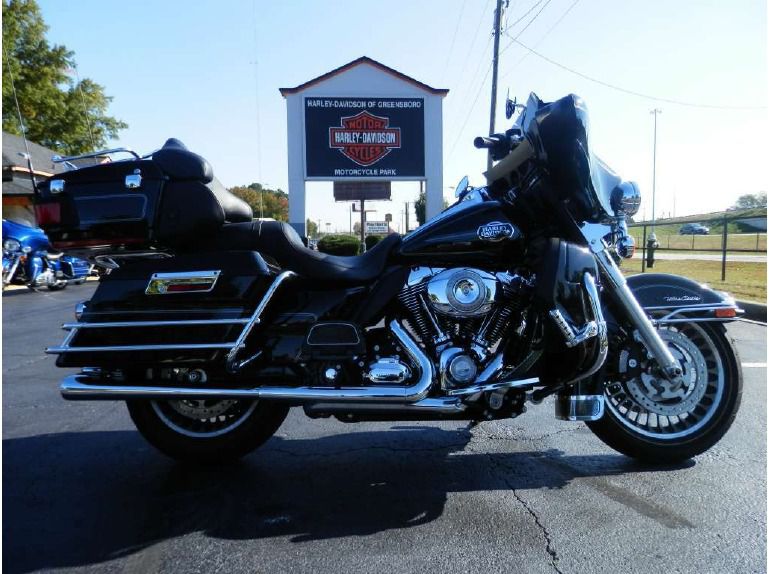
(540, 41)
(470, 110)
(632, 92)
(454, 37)
(525, 27)
(475, 36)
(535, 5)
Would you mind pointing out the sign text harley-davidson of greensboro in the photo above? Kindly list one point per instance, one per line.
(365, 138)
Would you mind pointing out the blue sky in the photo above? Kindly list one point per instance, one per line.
(187, 69)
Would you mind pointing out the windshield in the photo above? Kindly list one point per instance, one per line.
(559, 134)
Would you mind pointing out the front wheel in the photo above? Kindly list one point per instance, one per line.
(652, 419)
(206, 431)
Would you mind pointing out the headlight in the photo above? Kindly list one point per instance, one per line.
(626, 198)
(26, 249)
(11, 245)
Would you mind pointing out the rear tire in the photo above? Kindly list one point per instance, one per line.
(627, 425)
(205, 432)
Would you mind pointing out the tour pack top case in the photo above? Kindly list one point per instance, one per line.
(154, 202)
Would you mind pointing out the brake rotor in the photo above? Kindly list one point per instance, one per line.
(661, 396)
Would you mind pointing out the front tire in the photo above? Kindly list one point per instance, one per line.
(205, 432)
(645, 419)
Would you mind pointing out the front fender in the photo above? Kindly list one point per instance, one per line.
(672, 299)
(661, 290)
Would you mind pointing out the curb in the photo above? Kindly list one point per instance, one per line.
(754, 311)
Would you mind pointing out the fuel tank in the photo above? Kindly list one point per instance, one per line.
(468, 232)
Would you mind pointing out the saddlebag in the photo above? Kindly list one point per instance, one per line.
(182, 311)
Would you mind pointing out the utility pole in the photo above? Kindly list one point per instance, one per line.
(406, 217)
(654, 113)
(495, 54)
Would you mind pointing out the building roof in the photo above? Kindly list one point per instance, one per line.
(13, 145)
(358, 62)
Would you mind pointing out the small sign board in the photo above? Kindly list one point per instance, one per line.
(377, 227)
(358, 190)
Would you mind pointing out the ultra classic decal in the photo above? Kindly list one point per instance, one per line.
(365, 138)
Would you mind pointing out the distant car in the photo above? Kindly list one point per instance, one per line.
(693, 229)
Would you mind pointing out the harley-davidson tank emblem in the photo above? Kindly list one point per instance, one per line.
(496, 231)
(365, 138)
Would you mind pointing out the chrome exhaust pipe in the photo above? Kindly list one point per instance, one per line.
(77, 387)
(444, 406)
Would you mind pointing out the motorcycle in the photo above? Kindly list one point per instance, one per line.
(211, 325)
(29, 259)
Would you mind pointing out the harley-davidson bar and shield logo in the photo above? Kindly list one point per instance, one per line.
(496, 231)
(365, 138)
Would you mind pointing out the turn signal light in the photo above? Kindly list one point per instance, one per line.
(725, 313)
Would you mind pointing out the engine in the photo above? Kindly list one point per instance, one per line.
(462, 314)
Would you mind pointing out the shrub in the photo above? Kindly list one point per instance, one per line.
(339, 245)
(372, 240)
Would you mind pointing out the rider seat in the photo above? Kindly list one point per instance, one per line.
(279, 241)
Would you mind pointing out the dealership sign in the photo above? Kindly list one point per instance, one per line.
(354, 138)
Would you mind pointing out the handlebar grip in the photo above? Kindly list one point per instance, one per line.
(484, 143)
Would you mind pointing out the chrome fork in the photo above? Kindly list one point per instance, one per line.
(594, 234)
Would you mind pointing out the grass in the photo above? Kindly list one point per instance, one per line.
(742, 241)
(746, 281)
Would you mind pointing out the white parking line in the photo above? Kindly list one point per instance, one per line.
(754, 365)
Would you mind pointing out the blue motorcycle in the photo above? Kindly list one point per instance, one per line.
(29, 259)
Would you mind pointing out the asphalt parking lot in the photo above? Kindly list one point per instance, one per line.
(82, 492)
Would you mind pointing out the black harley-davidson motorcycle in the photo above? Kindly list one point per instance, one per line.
(211, 325)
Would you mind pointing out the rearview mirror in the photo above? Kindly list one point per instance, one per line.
(462, 186)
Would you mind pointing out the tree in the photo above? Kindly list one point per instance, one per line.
(751, 200)
(312, 228)
(58, 112)
(267, 203)
(419, 207)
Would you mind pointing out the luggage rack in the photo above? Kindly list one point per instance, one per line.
(233, 347)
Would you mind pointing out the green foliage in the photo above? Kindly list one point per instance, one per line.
(751, 201)
(312, 227)
(58, 112)
(372, 240)
(339, 245)
(419, 207)
(271, 203)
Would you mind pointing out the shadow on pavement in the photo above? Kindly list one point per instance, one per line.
(74, 499)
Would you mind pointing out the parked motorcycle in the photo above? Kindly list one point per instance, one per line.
(210, 325)
(29, 259)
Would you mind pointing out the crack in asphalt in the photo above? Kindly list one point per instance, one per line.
(498, 467)
(530, 439)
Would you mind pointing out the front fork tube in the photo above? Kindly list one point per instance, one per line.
(634, 312)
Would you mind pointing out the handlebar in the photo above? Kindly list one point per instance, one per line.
(490, 142)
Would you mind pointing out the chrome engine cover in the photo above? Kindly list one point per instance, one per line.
(462, 292)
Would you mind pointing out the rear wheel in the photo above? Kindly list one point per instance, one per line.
(206, 431)
(650, 418)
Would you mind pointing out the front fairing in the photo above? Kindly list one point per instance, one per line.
(560, 135)
(32, 237)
